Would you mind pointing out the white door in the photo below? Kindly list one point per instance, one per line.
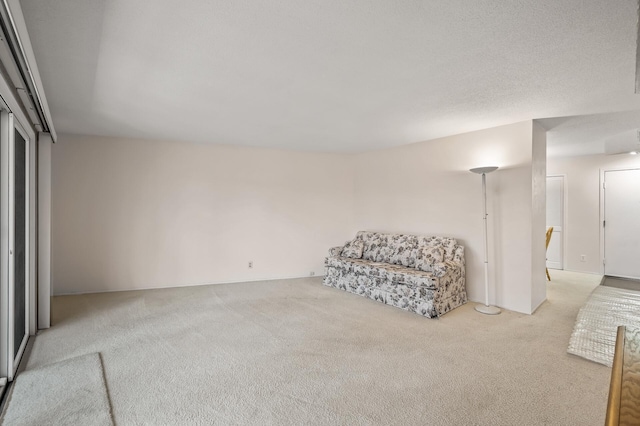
(622, 223)
(555, 218)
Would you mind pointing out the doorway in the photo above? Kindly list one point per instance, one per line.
(555, 218)
(621, 223)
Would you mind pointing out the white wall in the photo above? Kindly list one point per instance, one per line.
(583, 205)
(44, 230)
(426, 188)
(538, 216)
(132, 214)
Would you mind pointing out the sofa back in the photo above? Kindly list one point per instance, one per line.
(403, 249)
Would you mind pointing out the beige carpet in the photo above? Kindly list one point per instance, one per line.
(70, 392)
(297, 352)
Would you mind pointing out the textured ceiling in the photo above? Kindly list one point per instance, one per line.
(587, 134)
(329, 75)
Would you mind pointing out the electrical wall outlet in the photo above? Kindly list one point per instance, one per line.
(311, 274)
(250, 264)
(583, 258)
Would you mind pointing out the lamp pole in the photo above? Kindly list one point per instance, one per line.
(486, 308)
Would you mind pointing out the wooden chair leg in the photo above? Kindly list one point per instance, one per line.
(548, 276)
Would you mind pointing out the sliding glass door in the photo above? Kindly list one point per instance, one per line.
(14, 243)
(18, 244)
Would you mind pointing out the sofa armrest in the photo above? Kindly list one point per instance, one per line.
(454, 264)
(441, 269)
(335, 251)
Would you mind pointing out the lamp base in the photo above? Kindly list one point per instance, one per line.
(488, 310)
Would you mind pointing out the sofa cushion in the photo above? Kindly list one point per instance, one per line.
(403, 250)
(458, 254)
(437, 269)
(396, 274)
(376, 247)
(371, 242)
(393, 274)
(428, 257)
(432, 254)
(448, 244)
(353, 249)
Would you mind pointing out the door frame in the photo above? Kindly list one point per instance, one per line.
(565, 215)
(601, 187)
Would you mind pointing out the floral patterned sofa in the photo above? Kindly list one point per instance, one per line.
(425, 275)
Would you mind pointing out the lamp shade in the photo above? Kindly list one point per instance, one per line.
(483, 170)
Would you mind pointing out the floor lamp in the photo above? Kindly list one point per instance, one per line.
(486, 308)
